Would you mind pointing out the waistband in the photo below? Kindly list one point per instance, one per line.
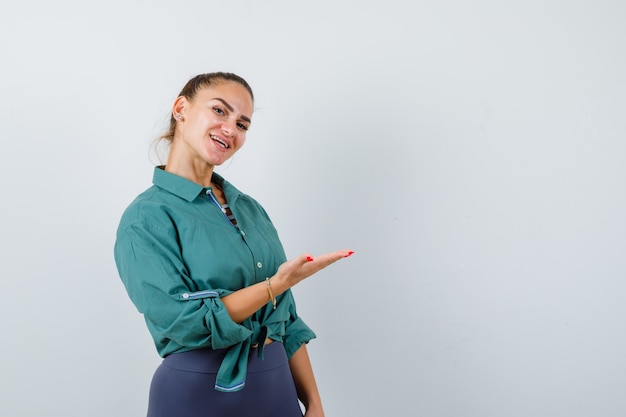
(208, 361)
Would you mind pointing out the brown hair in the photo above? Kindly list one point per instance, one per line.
(196, 84)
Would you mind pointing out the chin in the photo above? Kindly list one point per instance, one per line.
(217, 162)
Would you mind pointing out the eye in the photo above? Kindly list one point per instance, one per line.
(243, 126)
(218, 110)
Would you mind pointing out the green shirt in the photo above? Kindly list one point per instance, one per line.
(178, 254)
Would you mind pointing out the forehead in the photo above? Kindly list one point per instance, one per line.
(231, 92)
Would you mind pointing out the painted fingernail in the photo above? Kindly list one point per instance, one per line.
(309, 259)
(349, 253)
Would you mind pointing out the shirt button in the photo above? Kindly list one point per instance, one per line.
(185, 296)
(259, 265)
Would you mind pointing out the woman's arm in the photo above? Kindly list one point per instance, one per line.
(306, 386)
(243, 303)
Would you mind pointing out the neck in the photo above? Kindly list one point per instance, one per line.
(195, 170)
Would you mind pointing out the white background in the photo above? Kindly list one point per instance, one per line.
(472, 153)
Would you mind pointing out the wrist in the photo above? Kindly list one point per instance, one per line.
(270, 292)
(279, 284)
(314, 409)
(311, 399)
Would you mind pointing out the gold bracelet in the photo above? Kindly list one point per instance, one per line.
(269, 290)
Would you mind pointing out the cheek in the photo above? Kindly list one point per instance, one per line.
(206, 119)
(241, 139)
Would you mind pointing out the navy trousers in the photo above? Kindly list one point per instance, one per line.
(183, 386)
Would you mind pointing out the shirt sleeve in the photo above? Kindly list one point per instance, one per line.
(179, 316)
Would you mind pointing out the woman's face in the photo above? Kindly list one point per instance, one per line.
(214, 123)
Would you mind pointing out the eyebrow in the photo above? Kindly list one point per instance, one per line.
(230, 108)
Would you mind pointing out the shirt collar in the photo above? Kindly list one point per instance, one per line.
(186, 189)
(175, 184)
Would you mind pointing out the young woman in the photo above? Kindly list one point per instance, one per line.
(203, 263)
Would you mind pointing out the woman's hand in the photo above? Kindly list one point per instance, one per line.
(297, 269)
(242, 303)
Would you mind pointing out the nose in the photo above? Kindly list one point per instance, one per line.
(229, 128)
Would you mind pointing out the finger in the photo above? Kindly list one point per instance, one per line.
(306, 258)
(332, 257)
(346, 253)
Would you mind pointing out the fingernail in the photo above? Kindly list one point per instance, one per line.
(309, 259)
(349, 253)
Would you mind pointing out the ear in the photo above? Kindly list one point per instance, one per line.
(178, 109)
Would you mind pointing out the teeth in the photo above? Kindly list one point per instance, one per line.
(221, 142)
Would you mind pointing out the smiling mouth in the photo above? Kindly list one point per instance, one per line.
(220, 142)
